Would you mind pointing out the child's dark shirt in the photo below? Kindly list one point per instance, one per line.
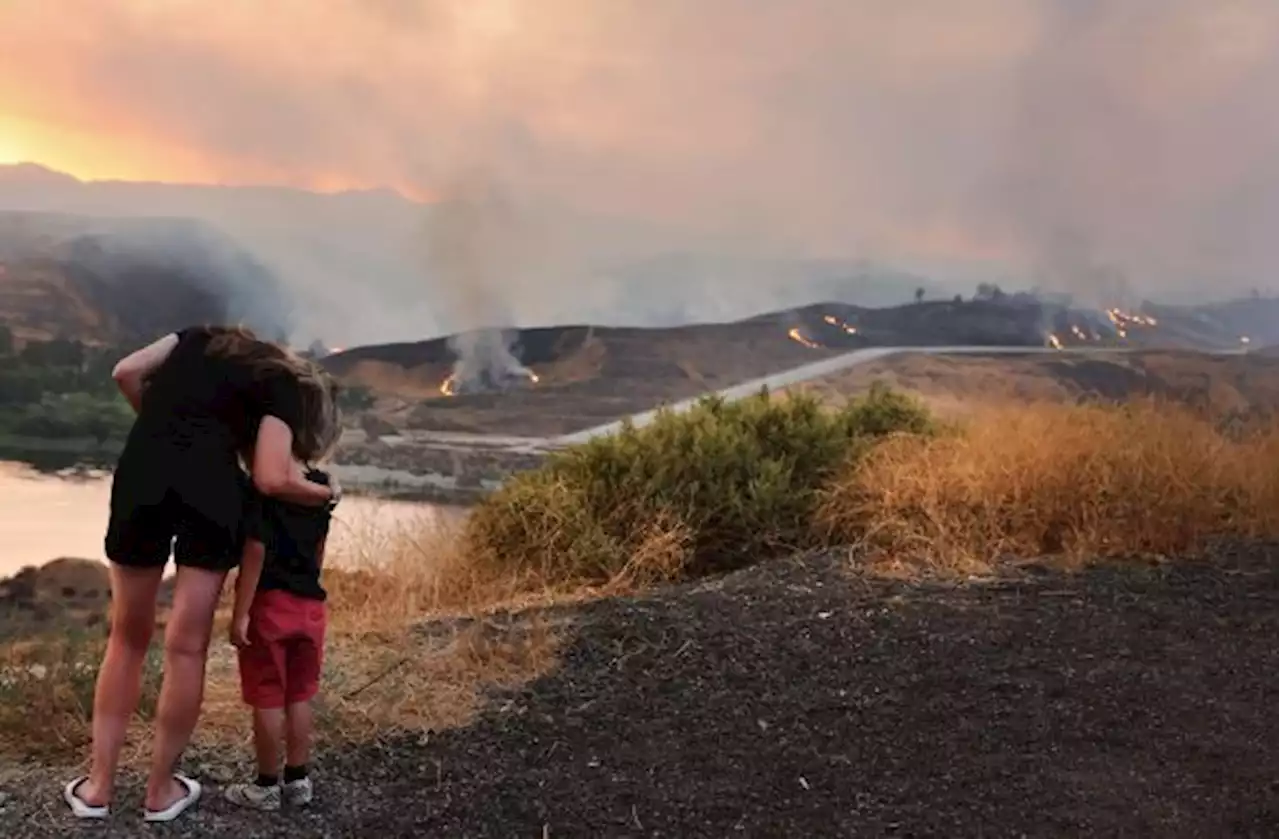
(292, 536)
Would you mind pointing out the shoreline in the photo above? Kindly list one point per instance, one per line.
(401, 469)
(50, 515)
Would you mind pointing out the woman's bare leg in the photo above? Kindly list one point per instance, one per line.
(186, 645)
(115, 697)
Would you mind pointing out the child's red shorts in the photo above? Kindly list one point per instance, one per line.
(281, 665)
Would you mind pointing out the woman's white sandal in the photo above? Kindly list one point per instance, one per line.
(79, 808)
(178, 807)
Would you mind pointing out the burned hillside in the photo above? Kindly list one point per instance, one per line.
(126, 281)
(681, 361)
(580, 376)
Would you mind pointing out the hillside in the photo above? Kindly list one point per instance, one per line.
(357, 269)
(126, 281)
(585, 375)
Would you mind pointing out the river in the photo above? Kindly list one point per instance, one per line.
(44, 516)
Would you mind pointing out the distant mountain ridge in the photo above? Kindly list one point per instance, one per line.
(356, 266)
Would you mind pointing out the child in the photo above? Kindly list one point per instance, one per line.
(277, 626)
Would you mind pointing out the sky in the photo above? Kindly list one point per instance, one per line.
(1075, 141)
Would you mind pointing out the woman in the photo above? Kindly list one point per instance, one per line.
(202, 395)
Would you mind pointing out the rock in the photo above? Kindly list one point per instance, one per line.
(21, 587)
(71, 577)
(67, 590)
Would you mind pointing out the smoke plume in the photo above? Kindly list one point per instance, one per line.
(711, 158)
(479, 245)
(1141, 150)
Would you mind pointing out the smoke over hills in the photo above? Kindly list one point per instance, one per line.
(1107, 149)
(125, 281)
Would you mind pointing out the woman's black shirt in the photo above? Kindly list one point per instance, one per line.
(197, 414)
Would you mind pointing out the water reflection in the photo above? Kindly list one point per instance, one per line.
(46, 514)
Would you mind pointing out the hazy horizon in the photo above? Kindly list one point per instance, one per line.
(1113, 150)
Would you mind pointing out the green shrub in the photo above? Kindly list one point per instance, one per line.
(355, 399)
(716, 488)
(68, 415)
(60, 390)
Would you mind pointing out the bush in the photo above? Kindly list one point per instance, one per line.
(62, 389)
(1081, 482)
(710, 490)
(70, 415)
(355, 399)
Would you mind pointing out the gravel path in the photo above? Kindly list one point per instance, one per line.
(788, 700)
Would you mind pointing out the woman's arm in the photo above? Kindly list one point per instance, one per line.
(276, 473)
(132, 370)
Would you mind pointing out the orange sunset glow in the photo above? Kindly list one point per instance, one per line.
(985, 129)
(91, 155)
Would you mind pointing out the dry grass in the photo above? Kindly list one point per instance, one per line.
(1066, 481)
(382, 671)
(1219, 382)
(46, 693)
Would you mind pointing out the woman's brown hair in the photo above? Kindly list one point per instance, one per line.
(317, 390)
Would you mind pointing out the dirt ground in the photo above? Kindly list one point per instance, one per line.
(797, 699)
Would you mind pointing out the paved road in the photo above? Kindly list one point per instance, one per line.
(813, 370)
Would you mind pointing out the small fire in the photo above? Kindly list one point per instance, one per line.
(1053, 341)
(1122, 319)
(449, 387)
(1244, 339)
(796, 335)
(835, 321)
(337, 349)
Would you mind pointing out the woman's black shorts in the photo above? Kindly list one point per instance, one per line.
(141, 536)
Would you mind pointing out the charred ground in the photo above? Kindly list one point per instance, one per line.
(589, 375)
(796, 699)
